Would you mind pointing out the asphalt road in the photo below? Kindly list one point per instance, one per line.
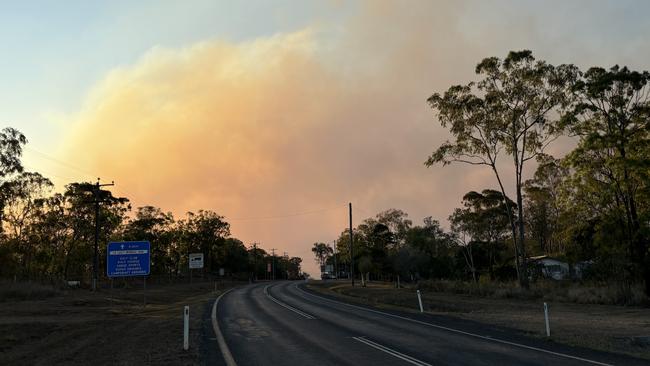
(282, 323)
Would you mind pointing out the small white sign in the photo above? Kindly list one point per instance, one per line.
(196, 260)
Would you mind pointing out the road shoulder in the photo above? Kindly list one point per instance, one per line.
(508, 334)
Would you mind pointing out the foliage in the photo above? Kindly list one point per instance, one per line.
(322, 252)
(611, 163)
(50, 236)
(507, 112)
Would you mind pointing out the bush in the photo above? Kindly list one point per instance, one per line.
(615, 293)
(26, 291)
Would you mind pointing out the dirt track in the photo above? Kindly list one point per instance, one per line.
(81, 328)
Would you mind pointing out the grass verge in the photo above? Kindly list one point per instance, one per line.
(79, 327)
(602, 327)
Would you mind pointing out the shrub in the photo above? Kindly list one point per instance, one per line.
(614, 293)
(26, 291)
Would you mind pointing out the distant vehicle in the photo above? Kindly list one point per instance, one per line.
(327, 272)
(328, 276)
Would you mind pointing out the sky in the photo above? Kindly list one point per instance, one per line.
(276, 114)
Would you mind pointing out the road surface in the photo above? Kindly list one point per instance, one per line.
(281, 323)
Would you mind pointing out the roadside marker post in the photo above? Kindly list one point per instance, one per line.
(186, 327)
(548, 327)
(420, 302)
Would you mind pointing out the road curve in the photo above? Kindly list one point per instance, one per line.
(280, 323)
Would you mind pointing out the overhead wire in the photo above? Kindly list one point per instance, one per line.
(303, 213)
(60, 162)
(88, 174)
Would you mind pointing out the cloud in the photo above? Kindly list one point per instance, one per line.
(269, 127)
(291, 123)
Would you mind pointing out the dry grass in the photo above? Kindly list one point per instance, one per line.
(18, 291)
(105, 328)
(574, 322)
(580, 293)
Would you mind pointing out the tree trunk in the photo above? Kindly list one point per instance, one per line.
(491, 260)
(512, 222)
(523, 279)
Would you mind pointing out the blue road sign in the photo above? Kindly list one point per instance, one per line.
(128, 258)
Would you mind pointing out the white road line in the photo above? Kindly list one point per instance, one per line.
(458, 331)
(286, 306)
(225, 351)
(392, 352)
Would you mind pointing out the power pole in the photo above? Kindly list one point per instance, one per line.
(336, 272)
(273, 264)
(351, 247)
(285, 256)
(254, 262)
(96, 256)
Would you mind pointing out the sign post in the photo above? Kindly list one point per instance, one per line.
(196, 262)
(129, 259)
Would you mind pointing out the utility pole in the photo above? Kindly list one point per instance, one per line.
(273, 264)
(254, 262)
(336, 272)
(351, 247)
(285, 270)
(96, 256)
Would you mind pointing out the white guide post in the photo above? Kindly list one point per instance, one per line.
(548, 327)
(186, 328)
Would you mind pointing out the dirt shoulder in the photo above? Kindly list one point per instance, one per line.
(80, 328)
(600, 327)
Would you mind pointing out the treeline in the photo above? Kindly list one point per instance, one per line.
(590, 207)
(48, 235)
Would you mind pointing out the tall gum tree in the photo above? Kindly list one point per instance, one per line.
(509, 112)
(611, 117)
(11, 150)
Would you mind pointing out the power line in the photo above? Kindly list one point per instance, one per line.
(356, 207)
(303, 213)
(87, 173)
(47, 173)
(60, 162)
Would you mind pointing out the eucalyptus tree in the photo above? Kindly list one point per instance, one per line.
(543, 203)
(397, 223)
(507, 113)
(321, 252)
(11, 150)
(433, 245)
(153, 225)
(484, 218)
(461, 237)
(22, 195)
(205, 231)
(611, 117)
